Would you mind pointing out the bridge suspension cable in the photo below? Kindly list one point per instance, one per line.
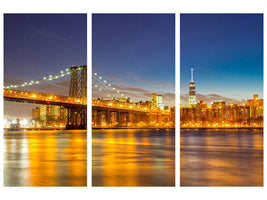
(44, 79)
(101, 87)
(107, 88)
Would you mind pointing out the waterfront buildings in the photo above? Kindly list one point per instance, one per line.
(218, 114)
(157, 101)
(36, 113)
(121, 113)
(154, 100)
(160, 102)
(50, 116)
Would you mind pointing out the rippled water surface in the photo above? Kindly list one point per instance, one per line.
(45, 158)
(133, 157)
(221, 158)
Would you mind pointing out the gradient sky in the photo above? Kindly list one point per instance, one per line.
(226, 52)
(136, 53)
(37, 45)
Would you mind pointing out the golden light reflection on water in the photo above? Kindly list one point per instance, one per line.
(45, 158)
(133, 158)
(221, 158)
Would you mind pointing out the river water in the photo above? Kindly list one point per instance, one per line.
(45, 158)
(133, 157)
(221, 157)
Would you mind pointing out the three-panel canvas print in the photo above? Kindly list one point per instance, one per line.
(125, 102)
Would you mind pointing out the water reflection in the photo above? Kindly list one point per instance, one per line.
(221, 158)
(133, 157)
(45, 158)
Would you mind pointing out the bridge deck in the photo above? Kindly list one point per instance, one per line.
(41, 98)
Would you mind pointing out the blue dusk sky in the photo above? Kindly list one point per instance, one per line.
(38, 45)
(226, 52)
(136, 53)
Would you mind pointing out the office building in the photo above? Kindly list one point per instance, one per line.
(192, 90)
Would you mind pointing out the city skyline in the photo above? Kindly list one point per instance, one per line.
(222, 115)
(226, 52)
(135, 53)
(44, 45)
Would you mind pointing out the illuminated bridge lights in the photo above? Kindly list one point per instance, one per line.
(44, 79)
(43, 97)
(128, 106)
(106, 87)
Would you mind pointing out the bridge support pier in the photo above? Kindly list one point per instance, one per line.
(98, 118)
(106, 117)
(77, 118)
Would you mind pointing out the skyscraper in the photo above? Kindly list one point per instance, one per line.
(160, 102)
(154, 101)
(157, 101)
(192, 90)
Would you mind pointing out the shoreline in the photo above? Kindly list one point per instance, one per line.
(228, 128)
(38, 129)
(132, 128)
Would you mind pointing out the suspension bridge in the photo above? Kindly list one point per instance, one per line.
(113, 109)
(75, 102)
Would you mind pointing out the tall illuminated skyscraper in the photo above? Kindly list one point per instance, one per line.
(192, 90)
(157, 101)
(160, 102)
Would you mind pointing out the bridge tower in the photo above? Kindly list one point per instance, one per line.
(77, 115)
